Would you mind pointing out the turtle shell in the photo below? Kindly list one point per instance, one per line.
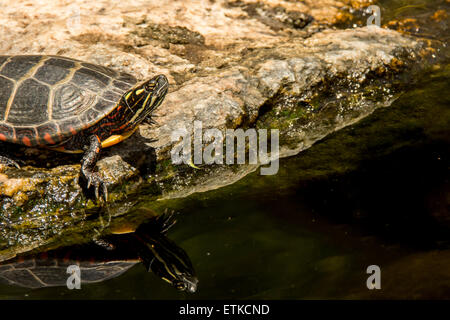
(50, 269)
(46, 99)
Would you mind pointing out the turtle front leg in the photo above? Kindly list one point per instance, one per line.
(88, 166)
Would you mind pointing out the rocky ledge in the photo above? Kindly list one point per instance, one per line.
(231, 64)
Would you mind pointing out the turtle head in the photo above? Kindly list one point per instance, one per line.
(166, 259)
(171, 264)
(144, 98)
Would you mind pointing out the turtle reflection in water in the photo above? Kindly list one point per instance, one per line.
(148, 244)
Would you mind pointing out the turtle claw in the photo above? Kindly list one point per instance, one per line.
(94, 179)
(167, 220)
(105, 192)
(9, 162)
(149, 121)
(104, 244)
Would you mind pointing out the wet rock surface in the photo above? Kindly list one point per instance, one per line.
(231, 64)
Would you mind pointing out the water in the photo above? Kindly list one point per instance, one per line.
(375, 193)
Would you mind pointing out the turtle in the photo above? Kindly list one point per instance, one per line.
(148, 245)
(72, 106)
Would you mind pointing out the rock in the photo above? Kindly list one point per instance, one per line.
(230, 64)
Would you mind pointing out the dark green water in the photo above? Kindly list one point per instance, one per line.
(373, 193)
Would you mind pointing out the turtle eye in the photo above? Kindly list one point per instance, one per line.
(181, 286)
(149, 87)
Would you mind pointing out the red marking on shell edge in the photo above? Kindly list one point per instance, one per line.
(48, 138)
(2, 137)
(26, 141)
(72, 130)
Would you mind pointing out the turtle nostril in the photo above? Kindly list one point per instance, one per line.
(162, 80)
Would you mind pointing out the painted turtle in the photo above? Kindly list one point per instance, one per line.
(72, 106)
(148, 244)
